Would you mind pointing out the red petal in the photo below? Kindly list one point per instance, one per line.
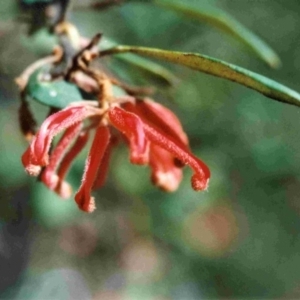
(37, 153)
(132, 127)
(63, 188)
(160, 118)
(202, 174)
(49, 177)
(31, 169)
(103, 169)
(83, 196)
(164, 173)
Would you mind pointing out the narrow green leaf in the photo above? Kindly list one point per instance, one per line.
(219, 18)
(209, 65)
(145, 64)
(52, 93)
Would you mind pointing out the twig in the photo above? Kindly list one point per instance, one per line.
(22, 80)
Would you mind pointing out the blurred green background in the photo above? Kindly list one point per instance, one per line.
(238, 240)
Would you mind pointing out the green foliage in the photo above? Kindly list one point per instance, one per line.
(206, 64)
(8, 10)
(58, 93)
(210, 13)
(151, 67)
(250, 144)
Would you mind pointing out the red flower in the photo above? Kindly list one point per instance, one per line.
(154, 135)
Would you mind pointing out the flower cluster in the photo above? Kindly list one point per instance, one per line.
(153, 133)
